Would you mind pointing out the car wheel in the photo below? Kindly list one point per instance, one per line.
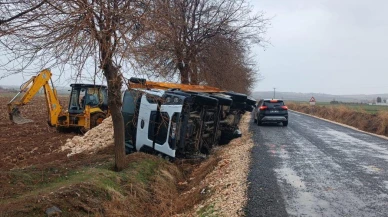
(259, 123)
(285, 123)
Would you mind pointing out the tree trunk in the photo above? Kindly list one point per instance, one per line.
(114, 102)
(194, 74)
(184, 71)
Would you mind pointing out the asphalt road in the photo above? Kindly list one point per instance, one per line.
(317, 168)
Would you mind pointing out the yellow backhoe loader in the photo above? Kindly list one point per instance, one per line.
(88, 104)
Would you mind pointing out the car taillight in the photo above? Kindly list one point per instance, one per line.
(263, 107)
(285, 107)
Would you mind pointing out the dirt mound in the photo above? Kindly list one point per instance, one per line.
(95, 139)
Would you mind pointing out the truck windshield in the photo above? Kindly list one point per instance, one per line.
(129, 102)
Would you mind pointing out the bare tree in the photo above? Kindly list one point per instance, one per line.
(183, 28)
(225, 63)
(10, 10)
(75, 33)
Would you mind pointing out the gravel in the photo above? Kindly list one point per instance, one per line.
(228, 181)
(95, 139)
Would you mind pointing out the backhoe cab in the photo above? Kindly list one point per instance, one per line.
(88, 104)
(88, 107)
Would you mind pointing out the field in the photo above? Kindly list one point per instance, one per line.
(31, 143)
(370, 118)
(372, 109)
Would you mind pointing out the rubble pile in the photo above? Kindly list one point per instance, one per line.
(97, 138)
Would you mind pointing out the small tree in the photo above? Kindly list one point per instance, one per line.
(378, 100)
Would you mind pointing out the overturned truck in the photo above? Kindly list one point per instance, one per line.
(177, 120)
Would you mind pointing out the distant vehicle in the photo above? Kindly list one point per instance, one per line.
(271, 111)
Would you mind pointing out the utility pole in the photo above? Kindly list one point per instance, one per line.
(274, 92)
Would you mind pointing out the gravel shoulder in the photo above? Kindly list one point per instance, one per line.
(227, 183)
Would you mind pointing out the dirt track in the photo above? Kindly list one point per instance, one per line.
(31, 143)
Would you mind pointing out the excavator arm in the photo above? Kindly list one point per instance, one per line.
(28, 90)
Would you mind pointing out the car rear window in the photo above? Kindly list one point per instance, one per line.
(273, 104)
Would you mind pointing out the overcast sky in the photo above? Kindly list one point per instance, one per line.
(325, 46)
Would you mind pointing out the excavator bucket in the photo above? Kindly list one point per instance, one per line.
(17, 118)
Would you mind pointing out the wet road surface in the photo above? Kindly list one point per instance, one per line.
(317, 168)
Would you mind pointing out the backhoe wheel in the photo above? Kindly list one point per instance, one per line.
(96, 119)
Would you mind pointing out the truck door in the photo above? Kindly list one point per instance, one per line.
(147, 107)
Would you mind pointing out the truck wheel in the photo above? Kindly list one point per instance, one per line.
(248, 108)
(205, 100)
(223, 100)
(237, 97)
(238, 105)
(251, 101)
(96, 119)
(285, 123)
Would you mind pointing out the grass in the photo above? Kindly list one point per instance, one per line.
(207, 211)
(364, 117)
(81, 190)
(371, 109)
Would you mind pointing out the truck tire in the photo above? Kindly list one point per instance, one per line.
(237, 97)
(205, 100)
(96, 119)
(223, 100)
(248, 108)
(251, 101)
(239, 106)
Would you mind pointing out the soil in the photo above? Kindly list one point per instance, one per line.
(30, 143)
